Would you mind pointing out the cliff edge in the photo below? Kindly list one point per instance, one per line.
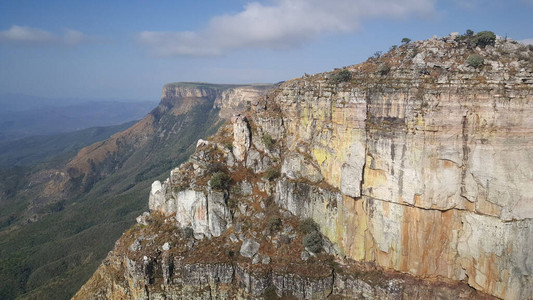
(415, 168)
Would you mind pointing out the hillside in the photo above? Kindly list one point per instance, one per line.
(404, 177)
(59, 222)
(24, 116)
(35, 149)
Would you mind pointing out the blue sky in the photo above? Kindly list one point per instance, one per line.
(129, 49)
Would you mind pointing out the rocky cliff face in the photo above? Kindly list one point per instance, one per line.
(414, 164)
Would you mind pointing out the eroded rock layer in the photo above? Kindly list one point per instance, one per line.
(414, 162)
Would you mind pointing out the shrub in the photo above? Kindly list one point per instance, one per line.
(271, 174)
(229, 146)
(484, 38)
(384, 69)
(474, 60)
(268, 141)
(274, 224)
(308, 225)
(406, 40)
(188, 232)
(313, 241)
(285, 239)
(219, 181)
(342, 76)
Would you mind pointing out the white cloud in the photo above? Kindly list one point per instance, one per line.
(35, 36)
(527, 42)
(282, 24)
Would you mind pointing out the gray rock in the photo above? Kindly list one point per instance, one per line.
(249, 248)
(304, 255)
(265, 260)
(166, 246)
(135, 246)
(241, 137)
(246, 188)
(256, 259)
(233, 238)
(218, 213)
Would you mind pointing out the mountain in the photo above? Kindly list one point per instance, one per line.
(35, 149)
(407, 176)
(24, 116)
(59, 221)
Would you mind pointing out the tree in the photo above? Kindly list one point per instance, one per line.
(484, 38)
(406, 40)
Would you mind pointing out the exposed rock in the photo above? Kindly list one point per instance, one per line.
(249, 248)
(241, 136)
(157, 197)
(166, 246)
(422, 167)
(295, 166)
(233, 238)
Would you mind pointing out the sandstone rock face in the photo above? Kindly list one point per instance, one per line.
(419, 164)
(434, 176)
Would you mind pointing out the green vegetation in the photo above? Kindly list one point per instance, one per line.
(484, 38)
(271, 174)
(313, 241)
(474, 60)
(308, 225)
(268, 141)
(342, 76)
(52, 257)
(35, 149)
(481, 39)
(274, 224)
(188, 232)
(406, 40)
(219, 181)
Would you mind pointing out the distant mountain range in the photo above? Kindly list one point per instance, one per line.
(22, 116)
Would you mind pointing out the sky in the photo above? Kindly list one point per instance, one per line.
(127, 50)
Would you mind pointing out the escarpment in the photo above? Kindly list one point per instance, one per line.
(415, 165)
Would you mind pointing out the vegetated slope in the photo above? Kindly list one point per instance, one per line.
(47, 118)
(415, 164)
(62, 221)
(35, 149)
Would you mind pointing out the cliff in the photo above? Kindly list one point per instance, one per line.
(415, 166)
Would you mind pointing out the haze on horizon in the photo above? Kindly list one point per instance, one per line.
(130, 49)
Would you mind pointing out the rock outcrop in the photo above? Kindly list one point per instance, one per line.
(415, 165)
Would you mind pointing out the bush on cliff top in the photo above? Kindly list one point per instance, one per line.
(219, 181)
(342, 76)
(484, 38)
(313, 241)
